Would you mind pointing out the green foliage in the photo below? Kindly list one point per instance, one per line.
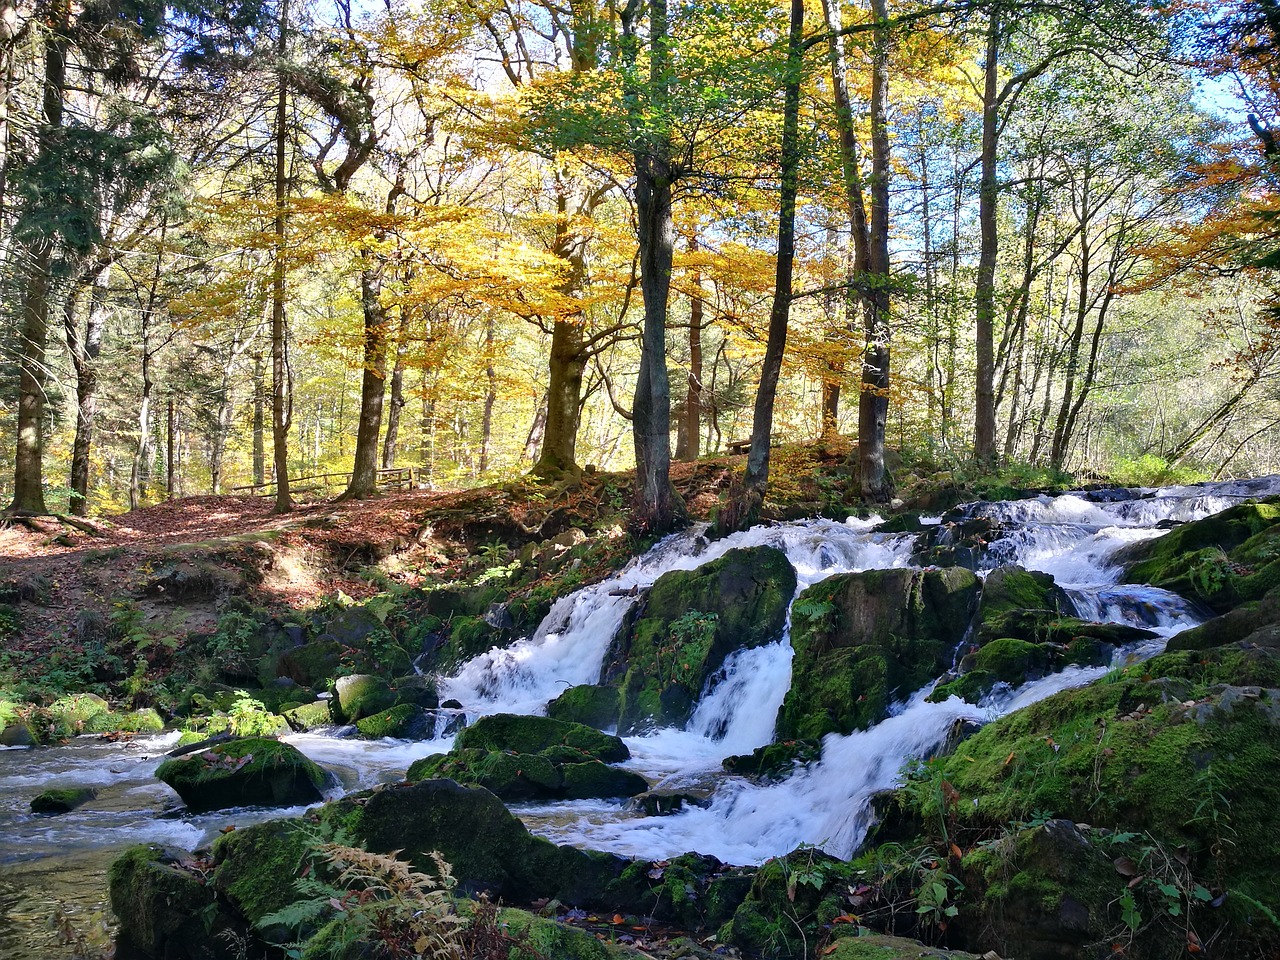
(376, 899)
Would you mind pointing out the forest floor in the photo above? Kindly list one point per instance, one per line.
(324, 546)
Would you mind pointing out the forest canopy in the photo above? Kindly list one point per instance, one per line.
(479, 238)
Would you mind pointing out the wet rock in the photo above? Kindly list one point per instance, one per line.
(663, 803)
(781, 914)
(360, 695)
(165, 910)
(309, 716)
(402, 722)
(592, 704)
(255, 771)
(62, 800)
(311, 664)
(520, 734)
(689, 623)
(865, 640)
(774, 761)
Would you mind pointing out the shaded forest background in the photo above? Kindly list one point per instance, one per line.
(254, 239)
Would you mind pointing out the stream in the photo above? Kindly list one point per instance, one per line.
(53, 869)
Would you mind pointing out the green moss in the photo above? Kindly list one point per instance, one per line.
(62, 800)
(257, 866)
(876, 946)
(254, 770)
(309, 716)
(398, 721)
(161, 907)
(591, 704)
(870, 639)
(546, 938)
(520, 734)
(774, 761)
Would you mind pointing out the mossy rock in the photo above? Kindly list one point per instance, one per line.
(360, 695)
(165, 909)
(592, 780)
(146, 720)
(69, 715)
(312, 664)
(774, 761)
(1046, 892)
(489, 848)
(403, 722)
(62, 800)
(791, 900)
(1019, 603)
(520, 734)
(254, 771)
(1184, 749)
(879, 946)
(1223, 560)
(309, 716)
(257, 867)
(509, 776)
(865, 640)
(417, 690)
(690, 621)
(591, 704)
(1248, 621)
(468, 638)
(540, 938)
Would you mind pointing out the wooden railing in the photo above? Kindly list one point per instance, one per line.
(390, 478)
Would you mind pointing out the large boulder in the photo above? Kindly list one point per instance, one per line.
(360, 695)
(690, 621)
(254, 771)
(534, 758)
(1174, 764)
(165, 910)
(865, 640)
(520, 734)
(1222, 561)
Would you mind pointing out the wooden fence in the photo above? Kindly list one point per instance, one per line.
(390, 478)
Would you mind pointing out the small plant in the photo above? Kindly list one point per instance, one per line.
(378, 899)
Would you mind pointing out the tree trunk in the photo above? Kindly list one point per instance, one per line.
(490, 398)
(84, 361)
(687, 441)
(873, 403)
(656, 500)
(28, 478)
(984, 429)
(280, 413)
(569, 349)
(756, 479)
(142, 452)
(364, 471)
(858, 262)
(395, 406)
(259, 419)
(171, 460)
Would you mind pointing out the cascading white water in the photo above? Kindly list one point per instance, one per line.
(570, 644)
(1071, 537)
(826, 804)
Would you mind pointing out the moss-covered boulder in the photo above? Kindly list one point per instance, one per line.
(257, 867)
(865, 640)
(254, 771)
(165, 910)
(360, 695)
(1223, 560)
(690, 621)
(489, 848)
(560, 761)
(520, 734)
(1180, 755)
(69, 715)
(774, 761)
(791, 900)
(404, 721)
(1254, 621)
(311, 664)
(878, 946)
(1019, 603)
(62, 800)
(592, 704)
(1050, 891)
(309, 716)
